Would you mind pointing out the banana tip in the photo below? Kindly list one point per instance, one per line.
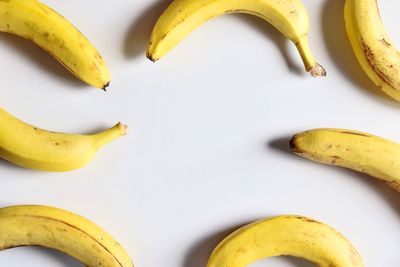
(123, 128)
(104, 88)
(150, 57)
(292, 145)
(317, 71)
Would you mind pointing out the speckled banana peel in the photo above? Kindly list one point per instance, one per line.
(183, 16)
(34, 148)
(61, 230)
(286, 236)
(358, 151)
(372, 45)
(35, 21)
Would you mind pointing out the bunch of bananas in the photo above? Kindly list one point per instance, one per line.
(34, 148)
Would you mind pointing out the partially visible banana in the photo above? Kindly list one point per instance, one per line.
(372, 45)
(354, 150)
(35, 21)
(63, 231)
(183, 16)
(285, 236)
(34, 148)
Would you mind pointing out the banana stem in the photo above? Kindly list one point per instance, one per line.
(309, 61)
(109, 135)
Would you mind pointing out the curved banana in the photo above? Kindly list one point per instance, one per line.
(285, 236)
(63, 231)
(34, 148)
(372, 45)
(354, 150)
(183, 16)
(35, 21)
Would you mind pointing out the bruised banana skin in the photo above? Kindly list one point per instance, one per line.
(37, 22)
(372, 45)
(285, 236)
(362, 152)
(63, 231)
(183, 16)
(34, 148)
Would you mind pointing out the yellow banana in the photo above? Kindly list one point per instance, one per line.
(183, 16)
(354, 150)
(35, 21)
(34, 148)
(282, 236)
(63, 231)
(372, 45)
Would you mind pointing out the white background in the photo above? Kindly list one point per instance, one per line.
(210, 122)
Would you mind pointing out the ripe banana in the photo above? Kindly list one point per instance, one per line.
(35, 21)
(357, 151)
(63, 231)
(34, 148)
(372, 45)
(183, 16)
(285, 235)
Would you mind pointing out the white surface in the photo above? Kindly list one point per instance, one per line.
(201, 156)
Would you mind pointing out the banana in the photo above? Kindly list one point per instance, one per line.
(372, 45)
(183, 16)
(34, 148)
(35, 21)
(285, 236)
(54, 228)
(354, 150)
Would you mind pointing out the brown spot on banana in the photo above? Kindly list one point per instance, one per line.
(335, 159)
(370, 56)
(385, 43)
(304, 219)
(242, 251)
